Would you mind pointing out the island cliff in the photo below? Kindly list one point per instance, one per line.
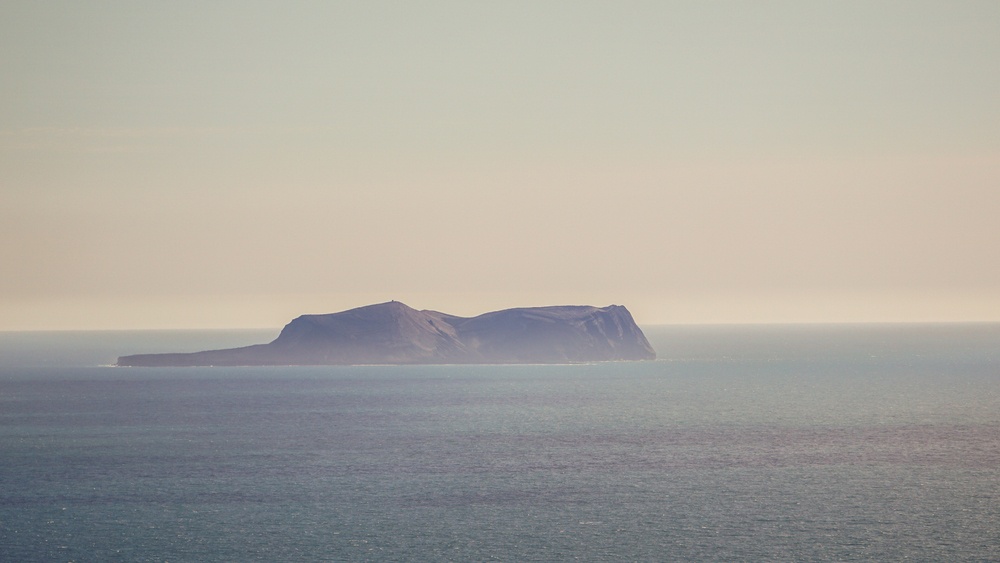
(393, 333)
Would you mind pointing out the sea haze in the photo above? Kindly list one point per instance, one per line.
(865, 442)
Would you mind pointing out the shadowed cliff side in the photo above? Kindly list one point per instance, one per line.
(393, 333)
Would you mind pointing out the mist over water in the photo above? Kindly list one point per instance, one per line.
(739, 443)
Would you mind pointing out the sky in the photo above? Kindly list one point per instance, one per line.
(236, 164)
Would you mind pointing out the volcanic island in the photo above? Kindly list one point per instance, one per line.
(394, 333)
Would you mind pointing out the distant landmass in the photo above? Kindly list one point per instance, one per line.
(393, 333)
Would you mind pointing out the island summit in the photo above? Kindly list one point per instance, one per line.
(393, 333)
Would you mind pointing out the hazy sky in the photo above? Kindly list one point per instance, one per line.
(225, 164)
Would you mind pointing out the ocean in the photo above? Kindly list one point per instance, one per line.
(740, 443)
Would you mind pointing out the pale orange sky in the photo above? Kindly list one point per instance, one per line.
(171, 165)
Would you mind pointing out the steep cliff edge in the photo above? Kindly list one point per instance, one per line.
(393, 333)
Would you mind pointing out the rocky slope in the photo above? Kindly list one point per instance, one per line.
(393, 333)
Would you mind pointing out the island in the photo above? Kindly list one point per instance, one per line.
(393, 333)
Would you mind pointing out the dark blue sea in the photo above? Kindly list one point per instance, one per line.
(741, 443)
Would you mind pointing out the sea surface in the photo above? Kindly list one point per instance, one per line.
(741, 443)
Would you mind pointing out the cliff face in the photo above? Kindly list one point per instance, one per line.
(393, 333)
